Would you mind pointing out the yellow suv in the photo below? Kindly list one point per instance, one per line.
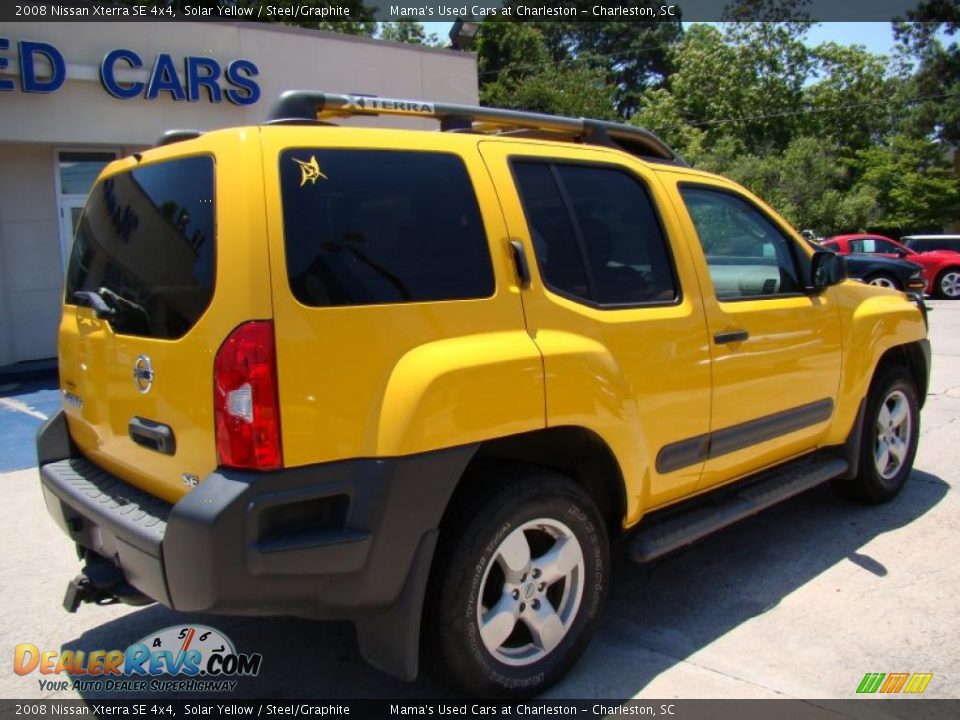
(422, 380)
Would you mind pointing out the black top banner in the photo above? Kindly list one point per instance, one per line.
(305, 12)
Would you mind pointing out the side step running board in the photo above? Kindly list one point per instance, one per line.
(683, 528)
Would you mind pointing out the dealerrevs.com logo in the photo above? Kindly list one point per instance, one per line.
(192, 658)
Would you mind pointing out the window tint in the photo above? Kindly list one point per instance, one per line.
(379, 226)
(145, 245)
(595, 233)
(554, 241)
(747, 255)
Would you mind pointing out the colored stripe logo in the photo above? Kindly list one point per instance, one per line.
(892, 683)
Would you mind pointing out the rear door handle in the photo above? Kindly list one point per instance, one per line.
(722, 338)
(152, 435)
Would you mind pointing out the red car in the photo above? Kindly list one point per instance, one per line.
(941, 268)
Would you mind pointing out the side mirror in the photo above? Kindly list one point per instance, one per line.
(826, 269)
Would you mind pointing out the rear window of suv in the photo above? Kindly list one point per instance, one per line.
(145, 244)
(365, 227)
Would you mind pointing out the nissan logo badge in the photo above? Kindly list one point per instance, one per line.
(143, 374)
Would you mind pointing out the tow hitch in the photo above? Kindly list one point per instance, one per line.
(102, 583)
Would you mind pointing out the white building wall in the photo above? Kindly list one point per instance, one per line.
(30, 257)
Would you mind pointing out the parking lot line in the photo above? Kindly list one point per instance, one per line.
(21, 407)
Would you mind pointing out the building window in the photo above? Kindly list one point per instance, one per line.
(76, 172)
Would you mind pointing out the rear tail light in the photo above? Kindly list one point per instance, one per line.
(245, 401)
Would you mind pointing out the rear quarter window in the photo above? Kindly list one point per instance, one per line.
(365, 227)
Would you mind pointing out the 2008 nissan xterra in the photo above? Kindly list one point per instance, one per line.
(422, 380)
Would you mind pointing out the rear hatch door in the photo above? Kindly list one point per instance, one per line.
(168, 258)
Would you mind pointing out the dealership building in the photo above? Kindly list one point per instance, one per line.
(74, 96)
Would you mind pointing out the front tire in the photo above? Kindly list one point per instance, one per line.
(889, 443)
(948, 284)
(518, 583)
(884, 280)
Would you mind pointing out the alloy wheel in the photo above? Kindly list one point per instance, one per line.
(893, 434)
(531, 592)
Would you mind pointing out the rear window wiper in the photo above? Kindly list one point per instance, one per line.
(93, 300)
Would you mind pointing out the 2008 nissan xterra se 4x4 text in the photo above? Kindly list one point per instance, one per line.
(421, 380)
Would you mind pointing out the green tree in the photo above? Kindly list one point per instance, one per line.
(571, 91)
(408, 31)
(851, 101)
(509, 51)
(819, 132)
(663, 114)
(746, 83)
(914, 180)
(773, 64)
(631, 53)
(703, 93)
(517, 72)
(935, 88)
(810, 183)
(634, 54)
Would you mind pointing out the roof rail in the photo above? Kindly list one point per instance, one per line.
(175, 136)
(295, 105)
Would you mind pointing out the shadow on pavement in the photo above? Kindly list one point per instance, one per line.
(673, 607)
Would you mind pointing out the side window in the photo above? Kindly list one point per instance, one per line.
(883, 246)
(596, 234)
(872, 245)
(554, 240)
(364, 227)
(747, 254)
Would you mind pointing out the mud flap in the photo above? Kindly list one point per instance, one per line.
(850, 450)
(391, 642)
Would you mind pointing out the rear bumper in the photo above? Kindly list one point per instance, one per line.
(340, 540)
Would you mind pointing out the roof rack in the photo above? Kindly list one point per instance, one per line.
(309, 105)
(175, 136)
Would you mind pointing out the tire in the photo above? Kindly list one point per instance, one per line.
(892, 419)
(948, 284)
(884, 280)
(494, 552)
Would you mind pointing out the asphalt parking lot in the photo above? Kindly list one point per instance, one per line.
(800, 602)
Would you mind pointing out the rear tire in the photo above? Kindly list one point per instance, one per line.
(889, 442)
(948, 284)
(518, 583)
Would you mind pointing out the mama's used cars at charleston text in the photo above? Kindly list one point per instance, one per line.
(421, 380)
